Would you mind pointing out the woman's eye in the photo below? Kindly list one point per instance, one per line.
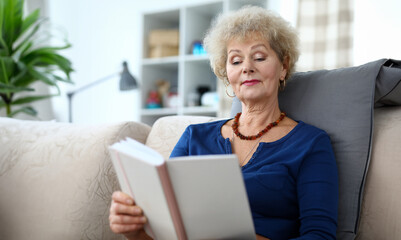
(260, 59)
(235, 61)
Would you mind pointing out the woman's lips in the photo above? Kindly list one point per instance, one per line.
(250, 82)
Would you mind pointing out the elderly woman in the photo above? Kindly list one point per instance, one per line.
(288, 166)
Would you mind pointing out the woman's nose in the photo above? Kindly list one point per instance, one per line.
(248, 67)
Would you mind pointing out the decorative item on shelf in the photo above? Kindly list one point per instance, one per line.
(163, 88)
(210, 99)
(127, 82)
(163, 43)
(153, 100)
(198, 49)
(193, 99)
(172, 100)
(201, 90)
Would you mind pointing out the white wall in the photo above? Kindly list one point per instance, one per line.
(377, 30)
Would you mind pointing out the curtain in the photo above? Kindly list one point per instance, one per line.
(325, 28)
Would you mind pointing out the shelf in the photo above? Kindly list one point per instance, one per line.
(200, 110)
(173, 111)
(187, 74)
(160, 61)
(196, 58)
(174, 59)
(159, 111)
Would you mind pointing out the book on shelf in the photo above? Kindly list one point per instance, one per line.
(195, 197)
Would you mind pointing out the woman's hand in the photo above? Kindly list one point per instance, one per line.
(127, 218)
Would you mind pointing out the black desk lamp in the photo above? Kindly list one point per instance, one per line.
(127, 82)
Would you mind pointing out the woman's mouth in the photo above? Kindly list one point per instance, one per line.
(250, 82)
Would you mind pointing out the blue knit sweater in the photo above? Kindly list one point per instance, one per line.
(292, 183)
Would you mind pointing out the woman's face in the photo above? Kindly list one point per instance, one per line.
(254, 70)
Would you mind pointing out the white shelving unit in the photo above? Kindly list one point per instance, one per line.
(185, 72)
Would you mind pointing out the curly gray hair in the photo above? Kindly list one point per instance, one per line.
(255, 22)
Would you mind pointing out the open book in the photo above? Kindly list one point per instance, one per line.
(197, 197)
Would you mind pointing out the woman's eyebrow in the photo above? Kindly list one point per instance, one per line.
(259, 45)
(253, 47)
(234, 50)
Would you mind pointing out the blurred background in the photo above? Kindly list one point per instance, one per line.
(104, 33)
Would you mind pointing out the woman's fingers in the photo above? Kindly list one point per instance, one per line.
(121, 228)
(125, 219)
(118, 208)
(122, 198)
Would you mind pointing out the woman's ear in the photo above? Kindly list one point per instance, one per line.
(286, 63)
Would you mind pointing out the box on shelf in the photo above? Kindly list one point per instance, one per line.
(163, 43)
(163, 51)
(165, 37)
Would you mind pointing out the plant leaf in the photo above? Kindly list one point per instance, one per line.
(26, 58)
(1, 18)
(66, 80)
(27, 37)
(48, 56)
(29, 99)
(7, 88)
(26, 109)
(12, 20)
(52, 49)
(21, 72)
(40, 76)
(2, 14)
(6, 68)
(29, 20)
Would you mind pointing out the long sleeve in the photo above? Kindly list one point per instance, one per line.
(317, 186)
(181, 148)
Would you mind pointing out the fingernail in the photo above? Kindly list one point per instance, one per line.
(129, 201)
(143, 219)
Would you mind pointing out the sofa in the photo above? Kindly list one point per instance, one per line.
(56, 179)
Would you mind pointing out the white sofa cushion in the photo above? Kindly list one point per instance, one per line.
(166, 132)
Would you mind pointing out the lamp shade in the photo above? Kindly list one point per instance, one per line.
(127, 81)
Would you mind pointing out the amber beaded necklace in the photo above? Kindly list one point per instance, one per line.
(235, 126)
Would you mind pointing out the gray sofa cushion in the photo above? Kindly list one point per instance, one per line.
(341, 102)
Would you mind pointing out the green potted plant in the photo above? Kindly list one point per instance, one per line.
(25, 59)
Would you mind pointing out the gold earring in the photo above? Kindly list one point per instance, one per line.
(226, 84)
(282, 84)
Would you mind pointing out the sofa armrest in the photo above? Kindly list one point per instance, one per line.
(166, 132)
(56, 179)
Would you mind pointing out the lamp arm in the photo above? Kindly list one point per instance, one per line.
(92, 84)
(84, 87)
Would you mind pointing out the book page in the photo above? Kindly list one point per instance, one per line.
(135, 148)
(211, 196)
